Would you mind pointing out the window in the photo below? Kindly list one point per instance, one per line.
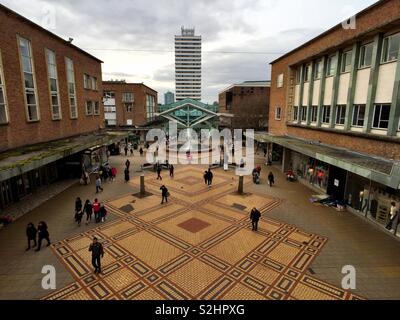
(71, 88)
(129, 107)
(314, 114)
(278, 111)
(381, 116)
(366, 55)
(87, 83)
(295, 114)
(340, 114)
(318, 70)
(307, 73)
(280, 81)
(298, 76)
(358, 115)
(127, 97)
(32, 107)
(346, 61)
(331, 66)
(94, 83)
(96, 108)
(150, 106)
(53, 84)
(326, 114)
(3, 98)
(109, 94)
(303, 113)
(89, 108)
(390, 49)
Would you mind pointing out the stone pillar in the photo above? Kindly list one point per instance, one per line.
(240, 188)
(142, 186)
(285, 160)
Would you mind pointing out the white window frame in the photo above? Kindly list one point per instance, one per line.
(3, 89)
(128, 97)
(26, 90)
(73, 109)
(345, 66)
(363, 50)
(302, 112)
(295, 116)
(89, 108)
(278, 113)
(53, 93)
(340, 118)
(356, 116)
(325, 114)
(314, 114)
(380, 116)
(386, 46)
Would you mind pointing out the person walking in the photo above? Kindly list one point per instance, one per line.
(271, 179)
(113, 174)
(103, 212)
(205, 176)
(78, 217)
(127, 164)
(171, 170)
(210, 177)
(164, 194)
(31, 233)
(126, 151)
(78, 204)
(255, 216)
(131, 150)
(265, 152)
(97, 253)
(98, 184)
(393, 215)
(141, 151)
(96, 210)
(88, 209)
(159, 172)
(43, 234)
(126, 174)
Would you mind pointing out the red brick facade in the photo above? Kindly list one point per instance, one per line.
(19, 131)
(139, 112)
(377, 18)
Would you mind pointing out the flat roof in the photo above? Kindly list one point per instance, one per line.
(245, 84)
(384, 171)
(51, 34)
(105, 82)
(338, 26)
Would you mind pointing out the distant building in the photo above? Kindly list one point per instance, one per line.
(169, 98)
(188, 65)
(128, 104)
(248, 102)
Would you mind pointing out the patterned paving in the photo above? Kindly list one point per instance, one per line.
(198, 246)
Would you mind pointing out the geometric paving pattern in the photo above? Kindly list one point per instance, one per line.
(198, 246)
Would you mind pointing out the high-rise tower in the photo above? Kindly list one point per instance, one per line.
(188, 65)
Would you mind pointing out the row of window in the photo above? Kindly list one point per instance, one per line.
(380, 120)
(126, 96)
(150, 107)
(113, 109)
(30, 87)
(390, 52)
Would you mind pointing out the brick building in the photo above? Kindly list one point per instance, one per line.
(335, 110)
(129, 104)
(248, 102)
(50, 108)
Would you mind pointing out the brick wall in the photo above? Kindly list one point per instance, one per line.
(19, 132)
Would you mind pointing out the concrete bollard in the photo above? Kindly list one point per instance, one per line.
(240, 188)
(142, 186)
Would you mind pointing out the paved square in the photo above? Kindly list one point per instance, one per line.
(198, 246)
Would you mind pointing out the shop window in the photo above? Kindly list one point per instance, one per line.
(340, 114)
(358, 115)
(381, 116)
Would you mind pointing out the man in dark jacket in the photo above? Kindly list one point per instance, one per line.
(255, 216)
(164, 194)
(97, 253)
(43, 234)
(31, 233)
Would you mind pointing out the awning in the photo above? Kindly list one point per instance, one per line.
(384, 171)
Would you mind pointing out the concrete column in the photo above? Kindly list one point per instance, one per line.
(301, 93)
(240, 188)
(321, 91)
(352, 86)
(310, 93)
(373, 82)
(142, 186)
(395, 107)
(286, 160)
(335, 90)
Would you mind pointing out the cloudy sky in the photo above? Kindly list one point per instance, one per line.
(135, 38)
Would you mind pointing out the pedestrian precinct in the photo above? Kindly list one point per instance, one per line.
(43, 234)
(171, 171)
(97, 253)
(31, 233)
(271, 179)
(126, 174)
(255, 216)
(98, 184)
(88, 209)
(164, 194)
(96, 210)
